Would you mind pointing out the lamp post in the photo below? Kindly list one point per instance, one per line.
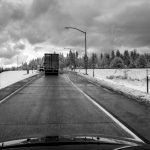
(85, 58)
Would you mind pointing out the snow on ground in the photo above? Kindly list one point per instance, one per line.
(132, 78)
(9, 77)
(131, 82)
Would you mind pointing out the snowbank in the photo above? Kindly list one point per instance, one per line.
(125, 89)
(9, 77)
(131, 78)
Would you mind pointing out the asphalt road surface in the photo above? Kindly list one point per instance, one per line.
(51, 105)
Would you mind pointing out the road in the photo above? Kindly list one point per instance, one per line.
(51, 105)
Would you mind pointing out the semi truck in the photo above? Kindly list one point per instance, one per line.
(51, 64)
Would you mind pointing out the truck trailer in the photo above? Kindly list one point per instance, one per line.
(51, 64)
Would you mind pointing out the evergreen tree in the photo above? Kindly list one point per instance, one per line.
(62, 61)
(118, 53)
(132, 64)
(94, 60)
(101, 56)
(105, 61)
(72, 59)
(126, 58)
(133, 57)
(117, 63)
(67, 61)
(112, 54)
(141, 62)
(147, 57)
(81, 62)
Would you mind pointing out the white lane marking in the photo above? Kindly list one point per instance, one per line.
(120, 148)
(15, 92)
(108, 114)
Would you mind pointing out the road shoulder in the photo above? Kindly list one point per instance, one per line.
(132, 113)
(14, 87)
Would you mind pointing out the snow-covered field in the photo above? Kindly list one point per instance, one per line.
(129, 82)
(9, 77)
(130, 78)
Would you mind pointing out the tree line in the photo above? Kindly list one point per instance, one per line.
(114, 59)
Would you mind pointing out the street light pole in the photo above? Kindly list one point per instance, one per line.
(85, 58)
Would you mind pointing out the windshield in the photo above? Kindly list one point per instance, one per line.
(75, 68)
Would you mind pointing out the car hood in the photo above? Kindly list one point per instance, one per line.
(71, 139)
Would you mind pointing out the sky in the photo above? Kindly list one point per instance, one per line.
(30, 28)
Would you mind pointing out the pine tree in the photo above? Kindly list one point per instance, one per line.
(117, 63)
(118, 53)
(72, 59)
(94, 60)
(133, 57)
(101, 56)
(105, 61)
(141, 62)
(126, 58)
(112, 54)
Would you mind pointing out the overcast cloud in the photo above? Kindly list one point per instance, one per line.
(110, 24)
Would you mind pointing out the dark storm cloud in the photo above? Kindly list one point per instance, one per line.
(134, 23)
(109, 23)
(10, 12)
(44, 21)
(39, 7)
(8, 51)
